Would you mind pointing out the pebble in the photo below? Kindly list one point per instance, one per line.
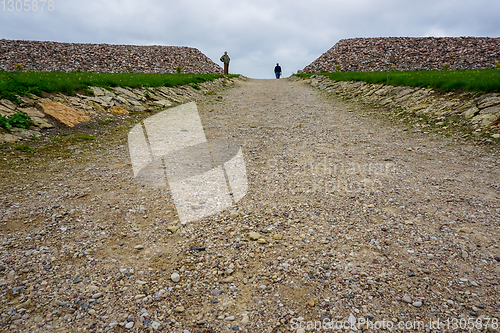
(254, 236)
(216, 292)
(129, 325)
(172, 229)
(139, 247)
(406, 299)
(175, 277)
(417, 304)
(229, 279)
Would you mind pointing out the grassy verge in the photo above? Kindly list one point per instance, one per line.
(484, 80)
(22, 83)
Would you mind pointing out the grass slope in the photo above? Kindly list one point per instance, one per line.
(21, 83)
(483, 80)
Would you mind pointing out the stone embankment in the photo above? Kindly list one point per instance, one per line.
(59, 110)
(102, 58)
(407, 53)
(480, 113)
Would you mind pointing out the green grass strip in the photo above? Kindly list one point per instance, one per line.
(483, 80)
(22, 83)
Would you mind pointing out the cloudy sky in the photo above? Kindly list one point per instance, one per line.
(256, 33)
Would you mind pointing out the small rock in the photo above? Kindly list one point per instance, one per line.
(172, 229)
(254, 236)
(139, 247)
(474, 314)
(311, 303)
(179, 309)
(417, 304)
(129, 325)
(245, 320)
(216, 292)
(406, 299)
(230, 318)
(175, 277)
(229, 279)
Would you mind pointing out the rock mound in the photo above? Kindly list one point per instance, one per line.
(408, 53)
(103, 58)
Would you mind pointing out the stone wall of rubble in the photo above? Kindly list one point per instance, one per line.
(103, 58)
(60, 110)
(480, 113)
(408, 53)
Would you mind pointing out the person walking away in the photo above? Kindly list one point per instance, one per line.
(225, 59)
(277, 70)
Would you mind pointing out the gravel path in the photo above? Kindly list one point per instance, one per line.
(347, 218)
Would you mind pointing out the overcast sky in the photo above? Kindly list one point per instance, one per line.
(257, 33)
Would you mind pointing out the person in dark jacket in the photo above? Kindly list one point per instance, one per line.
(277, 71)
(225, 59)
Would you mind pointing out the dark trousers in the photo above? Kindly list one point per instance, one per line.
(226, 69)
